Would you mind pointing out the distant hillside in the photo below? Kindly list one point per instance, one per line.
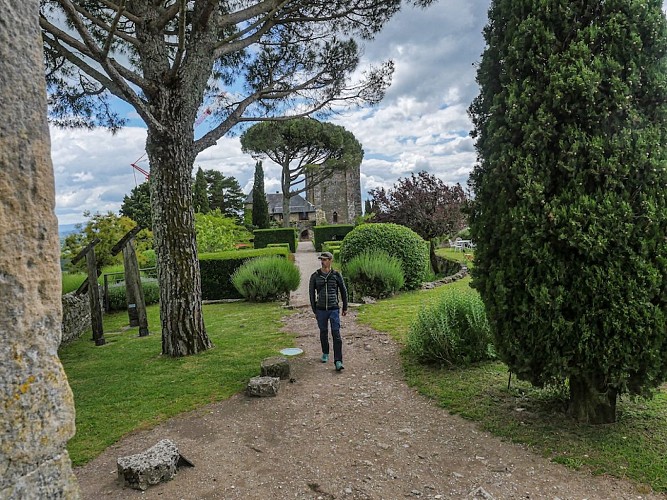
(66, 229)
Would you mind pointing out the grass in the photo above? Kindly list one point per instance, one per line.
(633, 448)
(127, 385)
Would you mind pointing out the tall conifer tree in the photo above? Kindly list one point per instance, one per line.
(200, 193)
(570, 214)
(260, 207)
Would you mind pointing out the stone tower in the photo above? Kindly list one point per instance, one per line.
(338, 197)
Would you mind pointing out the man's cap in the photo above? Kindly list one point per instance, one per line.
(325, 255)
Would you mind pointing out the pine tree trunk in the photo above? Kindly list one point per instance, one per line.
(591, 402)
(171, 160)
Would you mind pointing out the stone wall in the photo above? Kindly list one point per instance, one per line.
(76, 316)
(339, 195)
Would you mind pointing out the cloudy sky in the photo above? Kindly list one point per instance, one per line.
(421, 124)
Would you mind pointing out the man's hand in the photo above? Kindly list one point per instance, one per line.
(344, 313)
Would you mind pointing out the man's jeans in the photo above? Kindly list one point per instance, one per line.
(323, 319)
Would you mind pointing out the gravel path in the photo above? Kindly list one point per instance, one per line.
(358, 434)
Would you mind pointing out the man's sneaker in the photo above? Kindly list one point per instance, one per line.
(339, 366)
(325, 358)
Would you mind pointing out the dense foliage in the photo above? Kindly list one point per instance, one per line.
(200, 193)
(266, 278)
(454, 331)
(395, 240)
(260, 207)
(217, 233)
(422, 202)
(109, 228)
(137, 205)
(570, 214)
(224, 193)
(374, 274)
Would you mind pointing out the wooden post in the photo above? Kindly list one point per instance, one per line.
(93, 290)
(94, 297)
(136, 304)
(137, 308)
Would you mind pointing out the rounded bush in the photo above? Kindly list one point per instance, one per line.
(454, 331)
(266, 278)
(397, 241)
(374, 274)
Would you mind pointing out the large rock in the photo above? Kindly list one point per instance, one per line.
(276, 366)
(263, 386)
(156, 464)
(36, 404)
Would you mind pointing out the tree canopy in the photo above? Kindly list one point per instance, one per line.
(137, 205)
(224, 194)
(422, 202)
(200, 193)
(174, 61)
(570, 214)
(307, 150)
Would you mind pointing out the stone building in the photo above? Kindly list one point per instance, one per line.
(339, 197)
(337, 200)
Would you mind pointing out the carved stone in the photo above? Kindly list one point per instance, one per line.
(37, 409)
(276, 366)
(262, 387)
(156, 464)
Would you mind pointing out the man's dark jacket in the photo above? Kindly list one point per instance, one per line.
(327, 287)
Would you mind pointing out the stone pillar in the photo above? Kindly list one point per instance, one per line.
(36, 404)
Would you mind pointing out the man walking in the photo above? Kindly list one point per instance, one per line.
(325, 286)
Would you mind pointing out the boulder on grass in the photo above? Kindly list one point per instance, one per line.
(276, 366)
(262, 387)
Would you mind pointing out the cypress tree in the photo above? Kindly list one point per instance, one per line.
(570, 215)
(260, 207)
(200, 193)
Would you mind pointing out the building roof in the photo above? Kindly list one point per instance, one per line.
(297, 203)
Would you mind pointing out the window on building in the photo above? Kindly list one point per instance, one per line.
(335, 217)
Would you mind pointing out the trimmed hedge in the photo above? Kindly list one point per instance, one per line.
(217, 269)
(398, 241)
(264, 237)
(330, 233)
(117, 295)
(278, 245)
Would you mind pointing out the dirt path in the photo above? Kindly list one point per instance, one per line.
(357, 434)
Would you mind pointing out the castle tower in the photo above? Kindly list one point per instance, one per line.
(339, 196)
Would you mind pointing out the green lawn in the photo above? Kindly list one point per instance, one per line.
(127, 385)
(634, 448)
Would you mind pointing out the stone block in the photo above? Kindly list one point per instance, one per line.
(262, 387)
(153, 466)
(276, 366)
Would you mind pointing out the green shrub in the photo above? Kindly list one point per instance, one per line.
(263, 237)
(336, 232)
(148, 259)
(278, 245)
(266, 278)
(375, 274)
(397, 241)
(453, 331)
(217, 269)
(118, 300)
(330, 246)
